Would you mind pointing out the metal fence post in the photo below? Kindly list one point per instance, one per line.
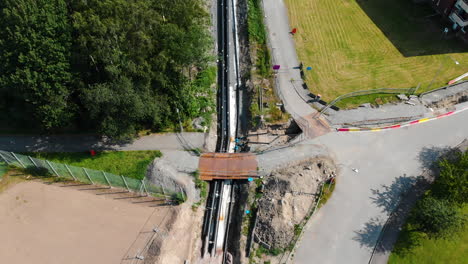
(144, 187)
(416, 89)
(69, 171)
(20, 162)
(52, 168)
(164, 194)
(33, 162)
(126, 185)
(1, 155)
(141, 187)
(86, 172)
(107, 180)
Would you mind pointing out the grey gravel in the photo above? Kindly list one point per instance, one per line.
(281, 157)
(442, 93)
(387, 111)
(197, 123)
(172, 172)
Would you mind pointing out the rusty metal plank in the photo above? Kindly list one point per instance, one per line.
(227, 166)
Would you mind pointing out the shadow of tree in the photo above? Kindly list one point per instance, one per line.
(388, 197)
(58, 143)
(397, 200)
(368, 236)
(429, 156)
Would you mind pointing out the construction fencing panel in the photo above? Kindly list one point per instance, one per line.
(89, 176)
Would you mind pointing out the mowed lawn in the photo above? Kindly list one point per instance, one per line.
(359, 45)
(127, 163)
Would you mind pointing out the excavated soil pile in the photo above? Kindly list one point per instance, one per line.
(289, 194)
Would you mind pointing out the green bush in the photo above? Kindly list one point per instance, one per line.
(201, 185)
(257, 31)
(178, 198)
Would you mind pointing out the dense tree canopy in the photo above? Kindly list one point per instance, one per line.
(35, 73)
(115, 66)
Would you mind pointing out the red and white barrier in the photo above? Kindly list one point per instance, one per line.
(422, 120)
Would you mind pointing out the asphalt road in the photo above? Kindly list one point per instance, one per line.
(73, 143)
(284, 54)
(346, 228)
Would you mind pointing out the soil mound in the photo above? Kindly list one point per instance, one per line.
(289, 194)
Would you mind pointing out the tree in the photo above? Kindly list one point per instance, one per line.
(452, 182)
(138, 49)
(35, 41)
(121, 108)
(113, 66)
(435, 216)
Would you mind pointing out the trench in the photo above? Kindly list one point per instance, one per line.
(241, 187)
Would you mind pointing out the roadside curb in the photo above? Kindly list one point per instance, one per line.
(418, 121)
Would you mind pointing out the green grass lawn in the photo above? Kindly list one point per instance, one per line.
(357, 45)
(453, 249)
(3, 169)
(127, 163)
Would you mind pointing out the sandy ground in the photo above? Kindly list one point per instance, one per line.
(49, 224)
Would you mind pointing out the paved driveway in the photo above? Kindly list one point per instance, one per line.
(345, 230)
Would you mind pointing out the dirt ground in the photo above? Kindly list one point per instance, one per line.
(49, 224)
(288, 196)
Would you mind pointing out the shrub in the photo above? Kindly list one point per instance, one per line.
(178, 198)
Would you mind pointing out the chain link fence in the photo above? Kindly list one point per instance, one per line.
(442, 88)
(90, 176)
(367, 92)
